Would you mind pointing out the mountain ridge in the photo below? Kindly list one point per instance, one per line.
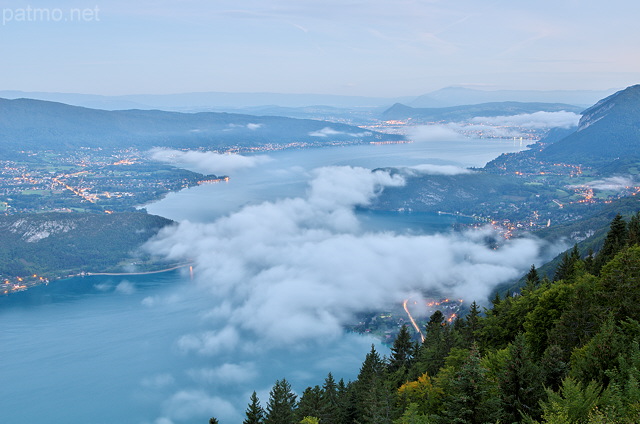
(615, 120)
(29, 124)
(457, 96)
(204, 100)
(465, 112)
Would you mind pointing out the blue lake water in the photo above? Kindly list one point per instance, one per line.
(287, 173)
(108, 350)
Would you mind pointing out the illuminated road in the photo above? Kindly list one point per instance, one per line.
(139, 273)
(415, 325)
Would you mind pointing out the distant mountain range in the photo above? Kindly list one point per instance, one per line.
(215, 101)
(466, 112)
(457, 96)
(194, 102)
(34, 124)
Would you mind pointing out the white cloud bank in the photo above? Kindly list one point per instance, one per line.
(207, 162)
(190, 404)
(225, 374)
(493, 126)
(536, 120)
(434, 133)
(295, 270)
(617, 183)
(327, 132)
(430, 169)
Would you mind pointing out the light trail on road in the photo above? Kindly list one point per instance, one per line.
(415, 325)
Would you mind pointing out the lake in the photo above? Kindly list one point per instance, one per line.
(119, 350)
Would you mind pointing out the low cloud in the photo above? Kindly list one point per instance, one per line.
(327, 132)
(434, 133)
(158, 381)
(225, 374)
(254, 127)
(211, 342)
(125, 287)
(494, 127)
(488, 131)
(296, 270)
(189, 404)
(618, 183)
(429, 169)
(207, 162)
(536, 120)
(103, 287)
(249, 126)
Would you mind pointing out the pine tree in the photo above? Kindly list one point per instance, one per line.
(255, 412)
(402, 358)
(554, 367)
(282, 404)
(520, 382)
(599, 357)
(633, 234)
(347, 403)
(578, 317)
(566, 270)
(624, 389)
(310, 403)
(329, 401)
(471, 327)
(532, 279)
(589, 262)
(619, 279)
(495, 303)
(614, 242)
(402, 350)
(471, 400)
(372, 398)
(563, 269)
(437, 343)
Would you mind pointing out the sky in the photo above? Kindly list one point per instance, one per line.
(382, 48)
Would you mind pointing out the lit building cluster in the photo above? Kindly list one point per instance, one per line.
(16, 284)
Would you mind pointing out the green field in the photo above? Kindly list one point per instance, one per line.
(37, 192)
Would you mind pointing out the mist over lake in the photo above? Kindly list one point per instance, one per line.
(286, 174)
(162, 348)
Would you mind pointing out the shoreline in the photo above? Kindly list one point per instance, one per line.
(46, 281)
(20, 285)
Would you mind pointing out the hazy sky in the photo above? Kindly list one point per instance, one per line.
(354, 47)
